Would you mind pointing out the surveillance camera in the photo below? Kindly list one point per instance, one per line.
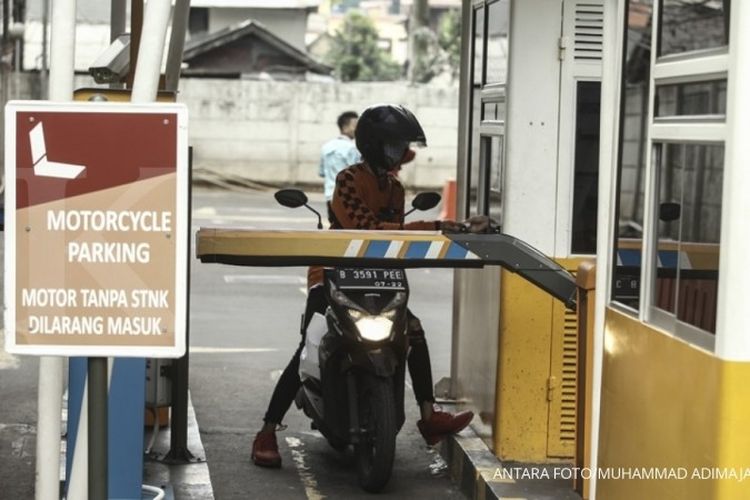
(113, 64)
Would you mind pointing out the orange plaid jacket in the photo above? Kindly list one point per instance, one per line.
(362, 200)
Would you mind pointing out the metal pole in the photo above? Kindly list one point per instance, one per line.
(464, 147)
(62, 50)
(136, 26)
(153, 36)
(49, 401)
(97, 431)
(78, 476)
(117, 16)
(177, 43)
(178, 447)
(4, 69)
(145, 88)
(44, 73)
(6, 22)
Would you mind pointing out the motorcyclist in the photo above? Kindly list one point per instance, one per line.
(369, 196)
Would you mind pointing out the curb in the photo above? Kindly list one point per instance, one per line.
(480, 475)
(471, 464)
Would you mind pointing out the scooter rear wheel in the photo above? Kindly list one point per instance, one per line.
(377, 444)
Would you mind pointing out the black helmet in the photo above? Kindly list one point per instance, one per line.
(382, 131)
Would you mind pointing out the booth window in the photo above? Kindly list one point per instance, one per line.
(495, 191)
(478, 46)
(688, 26)
(476, 111)
(688, 231)
(586, 181)
(692, 98)
(632, 151)
(490, 21)
(491, 180)
(497, 41)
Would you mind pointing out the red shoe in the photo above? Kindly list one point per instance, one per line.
(442, 423)
(266, 450)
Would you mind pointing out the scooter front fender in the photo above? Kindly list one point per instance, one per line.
(381, 362)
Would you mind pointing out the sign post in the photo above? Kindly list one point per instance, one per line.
(98, 429)
(96, 239)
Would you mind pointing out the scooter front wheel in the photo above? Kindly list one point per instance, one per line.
(377, 443)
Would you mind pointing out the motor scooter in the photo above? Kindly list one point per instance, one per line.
(353, 364)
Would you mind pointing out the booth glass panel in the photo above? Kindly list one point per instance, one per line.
(485, 158)
(498, 15)
(687, 26)
(694, 98)
(495, 193)
(586, 181)
(478, 46)
(688, 207)
(631, 169)
(474, 154)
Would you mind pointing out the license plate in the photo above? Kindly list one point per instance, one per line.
(381, 279)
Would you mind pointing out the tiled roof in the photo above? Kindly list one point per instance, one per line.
(204, 43)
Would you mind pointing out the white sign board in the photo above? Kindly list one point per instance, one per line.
(96, 229)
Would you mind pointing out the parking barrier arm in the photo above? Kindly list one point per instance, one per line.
(402, 249)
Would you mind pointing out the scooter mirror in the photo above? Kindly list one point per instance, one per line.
(292, 198)
(425, 201)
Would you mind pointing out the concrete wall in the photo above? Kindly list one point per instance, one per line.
(273, 131)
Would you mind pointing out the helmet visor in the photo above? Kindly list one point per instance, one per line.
(393, 152)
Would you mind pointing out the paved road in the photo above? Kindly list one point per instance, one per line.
(244, 324)
(256, 311)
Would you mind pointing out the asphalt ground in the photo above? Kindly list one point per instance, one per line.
(244, 325)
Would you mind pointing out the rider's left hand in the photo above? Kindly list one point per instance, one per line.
(478, 224)
(451, 226)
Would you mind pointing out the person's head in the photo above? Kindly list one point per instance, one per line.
(384, 133)
(347, 122)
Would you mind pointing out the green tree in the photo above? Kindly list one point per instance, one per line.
(355, 54)
(428, 56)
(449, 39)
(437, 53)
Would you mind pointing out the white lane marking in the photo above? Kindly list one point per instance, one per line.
(438, 466)
(229, 350)
(7, 360)
(308, 480)
(353, 249)
(264, 279)
(434, 251)
(211, 214)
(393, 249)
(314, 434)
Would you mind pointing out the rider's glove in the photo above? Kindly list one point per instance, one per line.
(479, 224)
(450, 226)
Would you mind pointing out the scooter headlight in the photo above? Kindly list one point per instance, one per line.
(374, 328)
